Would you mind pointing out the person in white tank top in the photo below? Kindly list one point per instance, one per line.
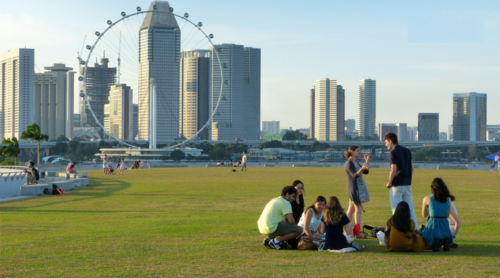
(311, 218)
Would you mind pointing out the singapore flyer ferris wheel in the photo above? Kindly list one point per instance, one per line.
(159, 62)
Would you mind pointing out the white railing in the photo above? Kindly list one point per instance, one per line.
(11, 181)
(12, 167)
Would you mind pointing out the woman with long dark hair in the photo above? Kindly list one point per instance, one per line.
(356, 185)
(437, 208)
(334, 221)
(311, 218)
(298, 203)
(400, 231)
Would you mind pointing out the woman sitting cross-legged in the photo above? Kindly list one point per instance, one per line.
(400, 231)
(437, 207)
(311, 218)
(334, 221)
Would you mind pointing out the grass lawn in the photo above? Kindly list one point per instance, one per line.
(202, 222)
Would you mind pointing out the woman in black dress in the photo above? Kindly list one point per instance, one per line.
(354, 173)
(298, 204)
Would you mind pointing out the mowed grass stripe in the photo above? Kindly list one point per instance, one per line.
(202, 221)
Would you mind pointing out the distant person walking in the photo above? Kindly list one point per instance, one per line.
(400, 176)
(244, 162)
(105, 165)
(122, 166)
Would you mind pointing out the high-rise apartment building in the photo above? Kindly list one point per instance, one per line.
(450, 133)
(159, 58)
(469, 117)
(428, 126)
(135, 108)
(311, 115)
(238, 114)
(196, 73)
(121, 112)
(367, 108)
(100, 78)
(402, 132)
(383, 129)
(54, 97)
(329, 110)
(271, 127)
(17, 86)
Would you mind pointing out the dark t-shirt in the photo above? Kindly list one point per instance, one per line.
(297, 211)
(401, 156)
(335, 239)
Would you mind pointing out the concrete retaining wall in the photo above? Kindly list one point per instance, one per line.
(10, 183)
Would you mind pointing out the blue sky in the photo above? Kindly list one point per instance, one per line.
(420, 52)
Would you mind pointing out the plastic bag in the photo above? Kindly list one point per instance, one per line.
(381, 238)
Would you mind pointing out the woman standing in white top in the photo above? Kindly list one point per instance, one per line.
(311, 218)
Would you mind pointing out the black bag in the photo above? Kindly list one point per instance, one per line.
(373, 230)
(37, 175)
(46, 191)
(55, 190)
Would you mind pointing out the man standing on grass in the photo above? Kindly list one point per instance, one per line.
(399, 183)
(277, 220)
(244, 162)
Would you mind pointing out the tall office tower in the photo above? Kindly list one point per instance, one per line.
(311, 116)
(350, 125)
(412, 133)
(450, 133)
(159, 58)
(469, 117)
(54, 95)
(383, 129)
(402, 132)
(367, 108)
(238, 114)
(121, 112)
(17, 82)
(329, 107)
(100, 78)
(196, 72)
(271, 127)
(106, 120)
(251, 92)
(428, 126)
(135, 108)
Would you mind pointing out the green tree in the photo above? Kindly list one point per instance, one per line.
(177, 155)
(33, 133)
(8, 161)
(11, 149)
(271, 144)
(427, 154)
(62, 138)
(289, 136)
(318, 146)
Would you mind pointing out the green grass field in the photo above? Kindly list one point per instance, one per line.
(202, 222)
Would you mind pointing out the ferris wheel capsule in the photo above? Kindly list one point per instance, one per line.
(97, 34)
(124, 14)
(109, 22)
(139, 9)
(82, 95)
(82, 62)
(211, 36)
(186, 15)
(200, 24)
(171, 9)
(89, 47)
(80, 78)
(155, 7)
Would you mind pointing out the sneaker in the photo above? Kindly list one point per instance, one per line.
(266, 243)
(275, 245)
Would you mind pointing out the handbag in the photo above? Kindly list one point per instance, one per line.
(364, 195)
(306, 243)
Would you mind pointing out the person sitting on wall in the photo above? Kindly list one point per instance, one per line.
(71, 168)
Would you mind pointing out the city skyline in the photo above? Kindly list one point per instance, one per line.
(403, 64)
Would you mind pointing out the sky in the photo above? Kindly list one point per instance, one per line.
(420, 52)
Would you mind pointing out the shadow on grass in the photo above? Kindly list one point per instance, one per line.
(97, 188)
(468, 249)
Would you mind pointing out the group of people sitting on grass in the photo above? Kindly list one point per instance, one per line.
(287, 224)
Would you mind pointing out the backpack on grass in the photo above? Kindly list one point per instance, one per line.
(57, 191)
(373, 230)
(46, 191)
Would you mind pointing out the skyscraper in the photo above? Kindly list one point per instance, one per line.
(17, 86)
(311, 116)
(238, 114)
(135, 109)
(329, 110)
(159, 58)
(450, 133)
(428, 126)
(121, 112)
(196, 73)
(367, 108)
(402, 132)
(100, 78)
(54, 95)
(350, 125)
(469, 117)
(271, 127)
(383, 129)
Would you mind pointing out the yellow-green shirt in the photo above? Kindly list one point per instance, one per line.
(274, 213)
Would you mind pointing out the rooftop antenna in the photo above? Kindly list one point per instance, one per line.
(119, 50)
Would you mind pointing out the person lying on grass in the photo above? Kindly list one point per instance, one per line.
(311, 218)
(400, 231)
(276, 221)
(334, 221)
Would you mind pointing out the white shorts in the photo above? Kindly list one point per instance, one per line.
(104, 165)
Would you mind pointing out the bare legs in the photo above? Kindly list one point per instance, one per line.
(356, 211)
(291, 236)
